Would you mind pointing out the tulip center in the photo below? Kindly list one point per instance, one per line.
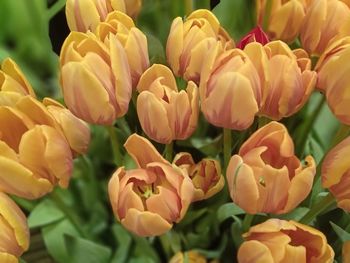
(146, 191)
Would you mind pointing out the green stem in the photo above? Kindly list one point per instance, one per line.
(227, 147)
(262, 121)
(318, 208)
(247, 221)
(54, 9)
(118, 160)
(169, 148)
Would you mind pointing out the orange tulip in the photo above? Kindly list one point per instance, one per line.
(265, 176)
(285, 17)
(149, 199)
(336, 173)
(280, 241)
(165, 113)
(226, 82)
(191, 256)
(346, 252)
(132, 39)
(323, 21)
(96, 81)
(85, 15)
(333, 78)
(190, 40)
(14, 231)
(286, 78)
(205, 175)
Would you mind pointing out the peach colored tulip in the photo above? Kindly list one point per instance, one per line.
(205, 175)
(265, 176)
(346, 252)
(85, 15)
(96, 81)
(336, 173)
(323, 21)
(165, 113)
(189, 41)
(334, 76)
(13, 80)
(149, 199)
(286, 77)
(280, 241)
(14, 231)
(226, 82)
(132, 39)
(285, 17)
(191, 256)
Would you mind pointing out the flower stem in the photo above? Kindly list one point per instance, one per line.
(263, 121)
(54, 9)
(169, 148)
(318, 208)
(117, 156)
(247, 221)
(227, 147)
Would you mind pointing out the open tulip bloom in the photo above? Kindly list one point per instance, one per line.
(175, 131)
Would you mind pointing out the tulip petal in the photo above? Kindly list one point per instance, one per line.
(254, 252)
(294, 254)
(174, 45)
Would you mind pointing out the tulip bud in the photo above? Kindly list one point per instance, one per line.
(206, 175)
(278, 240)
(346, 252)
(96, 81)
(225, 83)
(265, 176)
(165, 113)
(255, 35)
(85, 15)
(132, 39)
(14, 231)
(285, 17)
(13, 80)
(333, 78)
(286, 78)
(191, 256)
(190, 40)
(149, 199)
(323, 21)
(336, 173)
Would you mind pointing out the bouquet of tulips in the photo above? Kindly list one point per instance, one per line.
(175, 131)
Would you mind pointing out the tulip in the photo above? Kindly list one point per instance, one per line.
(13, 80)
(265, 176)
(333, 78)
(205, 175)
(255, 35)
(149, 199)
(85, 15)
(190, 40)
(286, 77)
(336, 173)
(96, 81)
(323, 21)
(346, 252)
(14, 231)
(165, 113)
(285, 17)
(191, 256)
(280, 241)
(226, 82)
(131, 38)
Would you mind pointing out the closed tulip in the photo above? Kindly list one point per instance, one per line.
(255, 35)
(286, 78)
(334, 76)
(265, 176)
(226, 83)
(14, 231)
(165, 113)
(205, 175)
(336, 173)
(285, 17)
(132, 39)
(190, 40)
(96, 80)
(323, 21)
(85, 15)
(188, 257)
(346, 252)
(149, 199)
(280, 241)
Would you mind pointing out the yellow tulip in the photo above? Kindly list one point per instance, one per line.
(265, 176)
(191, 256)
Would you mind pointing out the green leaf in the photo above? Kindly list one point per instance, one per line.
(227, 211)
(83, 250)
(155, 50)
(191, 216)
(124, 243)
(144, 249)
(46, 212)
(341, 233)
(296, 214)
(54, 239)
